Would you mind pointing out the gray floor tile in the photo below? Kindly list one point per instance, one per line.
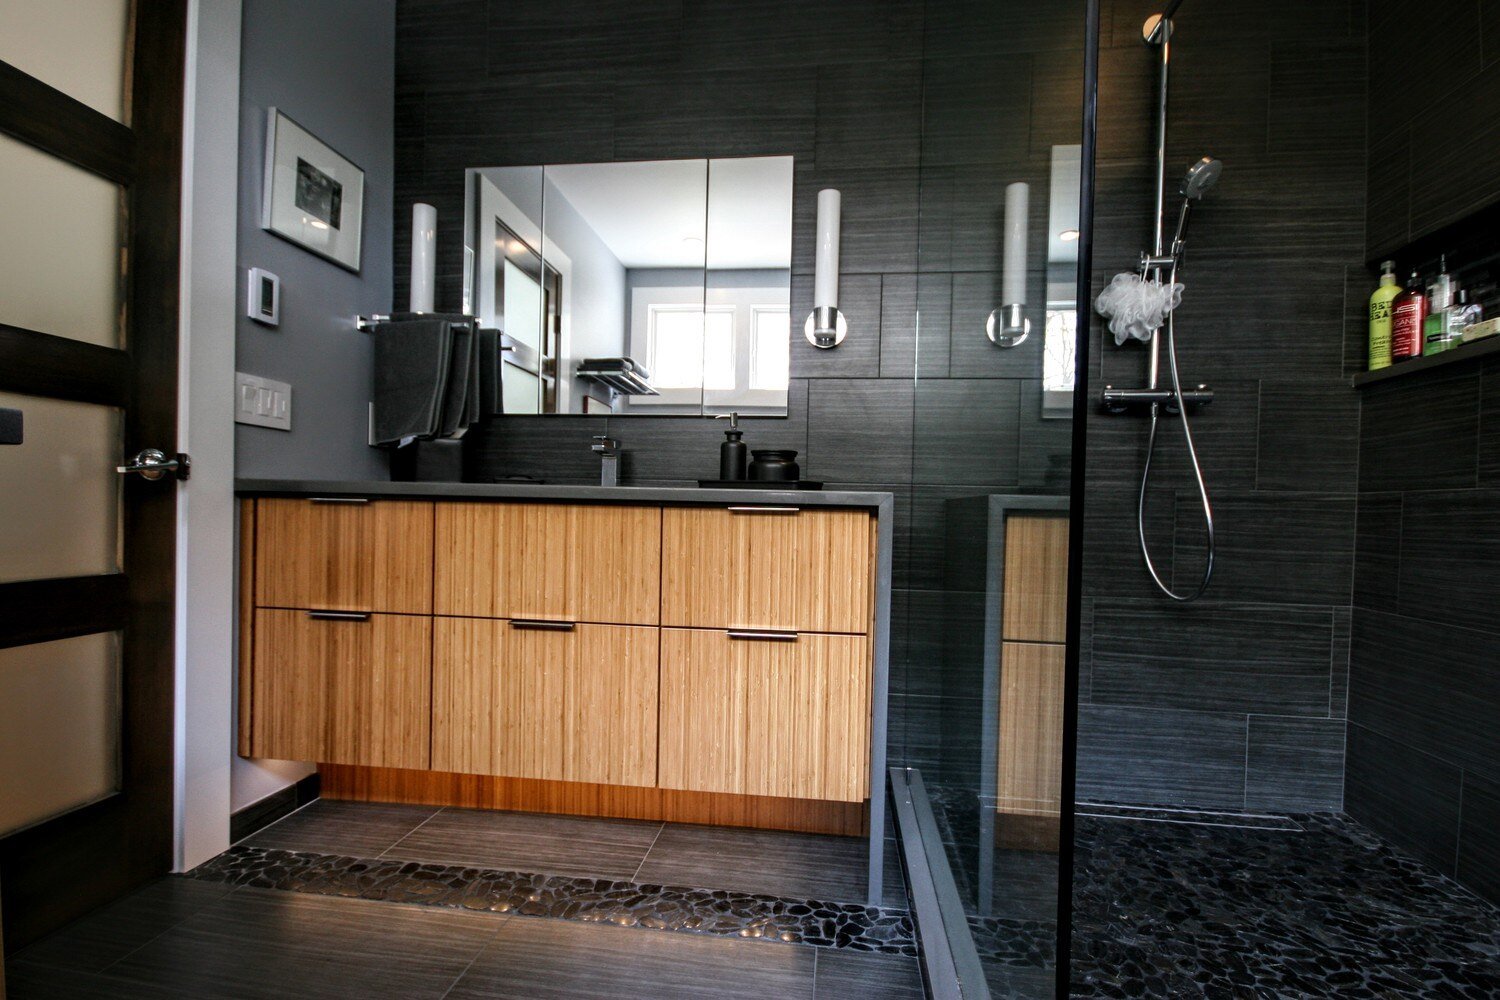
(109, 934)
(262, 943)
(531, 842)
(358, 829)
(805, 865)
(854, 975)
(547, 959)
(27, 981)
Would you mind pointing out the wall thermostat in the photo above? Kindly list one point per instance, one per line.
(263, 297)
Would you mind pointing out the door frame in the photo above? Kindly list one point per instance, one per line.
(55, 871)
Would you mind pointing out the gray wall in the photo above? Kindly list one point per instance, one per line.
(1237, 701)
(1424, 684)
(330, 66)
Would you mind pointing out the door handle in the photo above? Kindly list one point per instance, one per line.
(340, 616)
(153, 464)
(541, 625)
(771, 635)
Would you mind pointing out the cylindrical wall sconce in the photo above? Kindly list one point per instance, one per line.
(423, 257)
(826, 326)
(1008, 325)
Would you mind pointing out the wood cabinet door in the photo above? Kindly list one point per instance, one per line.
(1036, 578)
(564, 562)
(1029, 779)
(759, 567)
(342, 691)
(765, 717)
(575, 704)
(348, 556)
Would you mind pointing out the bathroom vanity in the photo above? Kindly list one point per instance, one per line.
(709, 656)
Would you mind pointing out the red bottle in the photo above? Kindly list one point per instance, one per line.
(1408, 312)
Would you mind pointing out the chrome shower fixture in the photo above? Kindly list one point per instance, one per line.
(1201, 176)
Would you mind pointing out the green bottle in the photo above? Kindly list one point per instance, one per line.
(1380, 316)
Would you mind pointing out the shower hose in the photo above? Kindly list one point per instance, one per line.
(1187, 435)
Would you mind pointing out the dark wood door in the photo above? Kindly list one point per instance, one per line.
(112, 600)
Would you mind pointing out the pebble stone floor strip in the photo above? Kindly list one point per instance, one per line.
(629, 904)
(1176, 910)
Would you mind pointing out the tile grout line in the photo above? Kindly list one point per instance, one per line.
(477, 956)
(404, 837)
(654, 839)
(155, 937)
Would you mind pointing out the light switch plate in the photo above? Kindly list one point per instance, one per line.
(263, 402)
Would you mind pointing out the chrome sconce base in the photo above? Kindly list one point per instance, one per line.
(1008, 326)
(825, 327)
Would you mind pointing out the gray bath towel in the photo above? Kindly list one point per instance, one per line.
(456, 392)
(412, 359)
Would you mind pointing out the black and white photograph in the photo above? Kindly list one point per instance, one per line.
(313, 196)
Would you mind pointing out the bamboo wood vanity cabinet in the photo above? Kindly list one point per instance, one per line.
(700, 662)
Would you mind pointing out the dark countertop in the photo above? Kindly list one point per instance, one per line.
(882, 502)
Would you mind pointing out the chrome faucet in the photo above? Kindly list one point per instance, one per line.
(609, 459)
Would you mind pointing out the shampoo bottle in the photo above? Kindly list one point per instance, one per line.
(1439, 301)
(1408, 313)
(1380, 316)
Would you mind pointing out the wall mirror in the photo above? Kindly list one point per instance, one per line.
(657, 287)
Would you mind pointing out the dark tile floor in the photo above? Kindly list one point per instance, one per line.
(180, 938)
(226, 934)
(809, 866)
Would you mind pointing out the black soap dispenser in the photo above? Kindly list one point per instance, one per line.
(734, 454)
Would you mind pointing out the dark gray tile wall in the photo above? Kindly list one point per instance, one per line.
(1237, 701)
(910, 114)
(1424, 690)
(1435, 91)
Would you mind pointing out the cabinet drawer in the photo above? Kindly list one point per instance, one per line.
(555, 561)
(760, 567)
(565, 704)
(368, 556)
(342, 691)
(765, 716)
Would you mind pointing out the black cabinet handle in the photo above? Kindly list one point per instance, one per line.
(340, 616)
(770, 635)
(541, 625)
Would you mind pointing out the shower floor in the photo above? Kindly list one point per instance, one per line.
(1323, 909)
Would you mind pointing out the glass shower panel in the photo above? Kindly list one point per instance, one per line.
(996, 310)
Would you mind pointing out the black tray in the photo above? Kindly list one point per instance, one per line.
(759, 484)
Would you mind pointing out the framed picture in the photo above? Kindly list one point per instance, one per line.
(313, 196)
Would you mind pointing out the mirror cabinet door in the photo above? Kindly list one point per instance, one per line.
(656, 288)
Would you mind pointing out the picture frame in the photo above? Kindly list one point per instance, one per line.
(313, 196)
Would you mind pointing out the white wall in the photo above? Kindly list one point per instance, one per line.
(205, 503)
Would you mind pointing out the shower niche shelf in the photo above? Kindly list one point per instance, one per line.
(1452, 356)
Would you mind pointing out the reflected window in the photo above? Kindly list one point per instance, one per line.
(770, 352)
(675, 339)
(719, 349)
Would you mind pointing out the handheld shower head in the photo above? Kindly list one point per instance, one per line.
(1201, 176)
